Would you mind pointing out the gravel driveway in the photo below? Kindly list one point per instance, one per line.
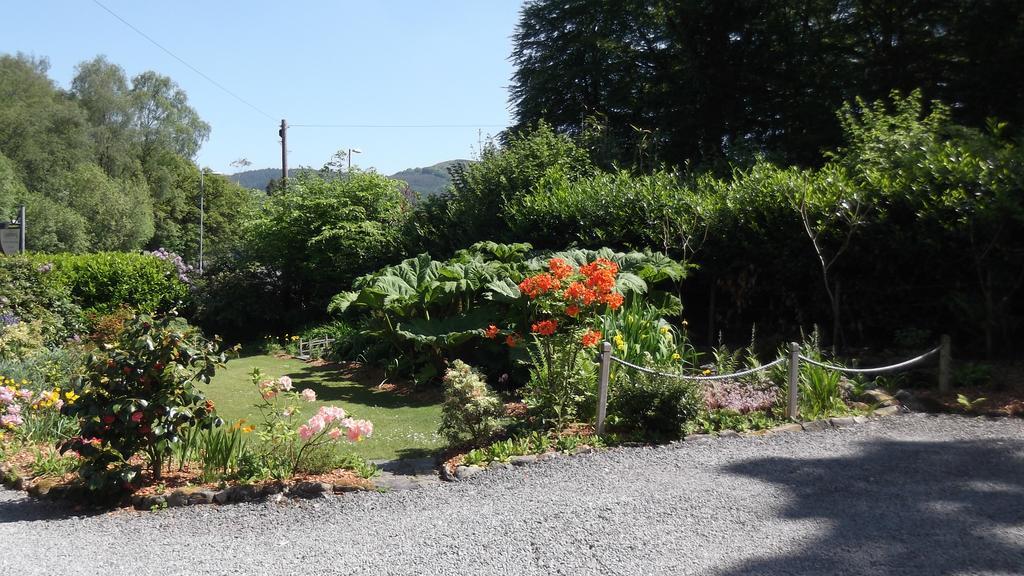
(910, 494)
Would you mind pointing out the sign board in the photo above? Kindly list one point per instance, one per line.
(9, 240)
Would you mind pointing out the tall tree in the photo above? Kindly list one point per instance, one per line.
(712, 80)
(102, 90)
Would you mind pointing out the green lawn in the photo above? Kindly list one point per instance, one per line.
(403, 426)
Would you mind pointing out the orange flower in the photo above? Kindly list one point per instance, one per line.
(559, 268)
(511, 340)
(613, 300)
(575, 291)
(534, 286)
(491, 332)
(544, 327)
(591, 338)
(572, 310)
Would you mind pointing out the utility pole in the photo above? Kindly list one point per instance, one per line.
(283, 132)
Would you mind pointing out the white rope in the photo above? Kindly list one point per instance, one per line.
(871, 370)
(698, 378)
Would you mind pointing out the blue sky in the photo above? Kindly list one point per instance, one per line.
(384, 62)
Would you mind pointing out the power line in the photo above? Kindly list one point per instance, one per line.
(396, 126)
(176, 57)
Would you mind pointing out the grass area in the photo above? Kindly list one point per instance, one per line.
(405, 426)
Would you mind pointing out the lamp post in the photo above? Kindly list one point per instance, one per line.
(352, 151)
(202, 214)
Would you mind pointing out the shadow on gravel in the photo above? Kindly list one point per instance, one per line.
(23, 508)
(901, 508)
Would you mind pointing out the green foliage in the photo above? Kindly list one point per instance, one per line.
(31, 292)
(967, 404)
(139, 395)
(219, 448)
(562, 387)
(48, 463)
(105, 281)
(821, 395)
(471, 409)
(475, 208)
(712, 421)
(320, 234)
(703, 82)
(657, 407)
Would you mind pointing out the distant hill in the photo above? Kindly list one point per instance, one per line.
(258, 179)
(427, 181)
(431, 180)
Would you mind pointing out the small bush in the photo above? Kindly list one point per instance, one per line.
(655, 406)
(470, 408)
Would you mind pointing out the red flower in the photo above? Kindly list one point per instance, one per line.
(559, 268)
(613, 300)
(534, 286)
(544, 327)
(137, 416)
(145, 429)
(572, 310)
(591, 337)
(108, 419)
(511, 340)
(491, 332)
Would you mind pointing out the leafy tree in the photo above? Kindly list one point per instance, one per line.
(164, 118)
(102, 89)
(320, 234)
(678, 80)
(42, 131)
(118, 212)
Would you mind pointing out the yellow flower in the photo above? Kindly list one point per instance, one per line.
(676, 357)
(70, 396)
(248, 429)
(706, 372)
(620, 342)
(663, 329)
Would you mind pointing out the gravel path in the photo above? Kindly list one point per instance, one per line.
(911, 494)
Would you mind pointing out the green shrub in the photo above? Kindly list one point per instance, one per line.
(657, 407)
(102, 282)
(470, 408)
(140, 394)
(30, 291)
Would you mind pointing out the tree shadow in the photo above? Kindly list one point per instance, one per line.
(343, 383)
(24, 508)
(901, 507)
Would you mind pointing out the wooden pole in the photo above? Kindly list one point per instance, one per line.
(945, 359)
(793, 407)
(284, 153)
(602, 385)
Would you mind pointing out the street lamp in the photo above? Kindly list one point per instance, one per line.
(352, 151)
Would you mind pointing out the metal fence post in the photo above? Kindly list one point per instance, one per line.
(944, 363)
(793, 408)
(602, 385)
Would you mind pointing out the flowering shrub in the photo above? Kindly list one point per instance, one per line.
(567, 303)
(287, 445)
(180, 266)
(470, 407)
(738, 396)
(30, 414)
(138, 396)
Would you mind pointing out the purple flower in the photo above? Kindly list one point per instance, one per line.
(738, 397)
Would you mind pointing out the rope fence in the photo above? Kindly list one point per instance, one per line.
(793, 361)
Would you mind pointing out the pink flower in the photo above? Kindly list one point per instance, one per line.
(25, 394)
(7, 395)
(305, 432)
(357, 429)
(284, 383)
(14, 409)
(308, 395)
(331, 413)
(317, 424)
(335, 433)
(11, 420)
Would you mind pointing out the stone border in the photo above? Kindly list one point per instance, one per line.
(465, 472)
(274, 491)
